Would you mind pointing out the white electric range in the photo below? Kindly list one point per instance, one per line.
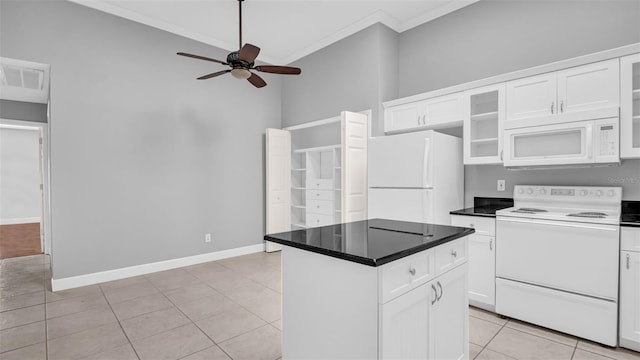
(557, 253)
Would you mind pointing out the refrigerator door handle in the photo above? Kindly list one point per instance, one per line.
(426, 163)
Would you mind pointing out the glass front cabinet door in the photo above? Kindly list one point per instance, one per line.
(630, 107)
(485, 111)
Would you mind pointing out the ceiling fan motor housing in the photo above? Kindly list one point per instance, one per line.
(234, 59)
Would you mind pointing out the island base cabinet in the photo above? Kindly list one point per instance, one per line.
(404, 325)
(336, 309)
(448, 315)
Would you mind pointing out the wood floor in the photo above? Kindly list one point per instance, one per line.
(19, 240)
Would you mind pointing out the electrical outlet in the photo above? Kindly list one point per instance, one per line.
(501, 185)
(207, 237)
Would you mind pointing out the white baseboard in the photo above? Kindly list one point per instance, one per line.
(117, 274)
(16, 221)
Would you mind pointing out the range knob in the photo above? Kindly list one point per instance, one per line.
(598, 193)
(610, 193)
(543, 191)
(520, 191)
(529, 191)
(583, 193)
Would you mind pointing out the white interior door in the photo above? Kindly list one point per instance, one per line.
(354, 166)
(278, 183)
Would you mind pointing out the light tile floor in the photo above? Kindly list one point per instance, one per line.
(228, 309)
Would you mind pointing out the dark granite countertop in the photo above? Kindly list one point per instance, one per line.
(370, 242)
(486, 207)
(630, 215)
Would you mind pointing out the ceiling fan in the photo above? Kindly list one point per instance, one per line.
(242, 61)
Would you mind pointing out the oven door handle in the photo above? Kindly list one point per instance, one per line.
(560, 223)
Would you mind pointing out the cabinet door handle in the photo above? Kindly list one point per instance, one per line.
(501, 151)
(454, 253)
(424, 119)
(562, 106)
(471, 225)
(419, 119)
(627, 261)
(412, 271)
(440, 286)
(491, 245)
(435, 292)
(552, 105)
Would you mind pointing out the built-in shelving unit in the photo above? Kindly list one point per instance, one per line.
(316, 186)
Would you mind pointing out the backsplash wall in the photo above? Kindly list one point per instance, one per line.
(480, 180)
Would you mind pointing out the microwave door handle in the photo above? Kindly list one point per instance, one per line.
(426, 163)
(589, 136)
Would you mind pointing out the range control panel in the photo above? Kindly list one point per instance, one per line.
(568, 193)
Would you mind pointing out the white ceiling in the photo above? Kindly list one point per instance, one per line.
(285, 30)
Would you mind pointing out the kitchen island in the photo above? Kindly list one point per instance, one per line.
(374, 289)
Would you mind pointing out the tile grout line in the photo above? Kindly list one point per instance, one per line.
(118, 321)
(191, 320)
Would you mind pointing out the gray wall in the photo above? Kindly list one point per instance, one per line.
(144, 159)
(20, 110)
(493, 37)
(355, 74)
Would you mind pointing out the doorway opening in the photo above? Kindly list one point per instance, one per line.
(24, 215)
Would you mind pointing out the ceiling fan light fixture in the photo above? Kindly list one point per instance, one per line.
(241, 73)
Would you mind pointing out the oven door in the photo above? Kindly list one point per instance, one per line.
(575, 257)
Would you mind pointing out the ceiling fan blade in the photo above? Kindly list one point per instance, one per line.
(286, 70)
(202, 58)
(256, 81)
(249, 53)
(209, 76)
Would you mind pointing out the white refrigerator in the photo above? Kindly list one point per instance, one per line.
(415, 177)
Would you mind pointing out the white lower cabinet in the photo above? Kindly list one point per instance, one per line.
(482, 260)
(448, 315)
(425, 322)
(629, 313)
(402, 336)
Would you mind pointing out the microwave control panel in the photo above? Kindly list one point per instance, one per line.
(607, 138)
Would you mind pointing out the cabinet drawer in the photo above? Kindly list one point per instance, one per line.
(319, 195)
(483, 226)
(320, 184)
(315, 220)
(629, 239)
(400, 276)
(320, 206)
(451, 254)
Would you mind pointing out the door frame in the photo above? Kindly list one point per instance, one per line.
(43, 128)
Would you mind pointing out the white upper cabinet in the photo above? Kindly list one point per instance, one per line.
(404, 116)
(438, 112)
(531, 97)
(484, 114)
(443, 111)
(579, 93)
(590, 87)
(630, 106)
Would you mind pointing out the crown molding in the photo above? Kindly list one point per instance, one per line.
(377, 17)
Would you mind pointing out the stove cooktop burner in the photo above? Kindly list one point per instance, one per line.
(589, 214)
(529, 210)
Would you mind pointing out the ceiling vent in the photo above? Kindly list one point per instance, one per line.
(24, 81)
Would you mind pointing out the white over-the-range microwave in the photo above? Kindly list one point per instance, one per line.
(567, 144)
